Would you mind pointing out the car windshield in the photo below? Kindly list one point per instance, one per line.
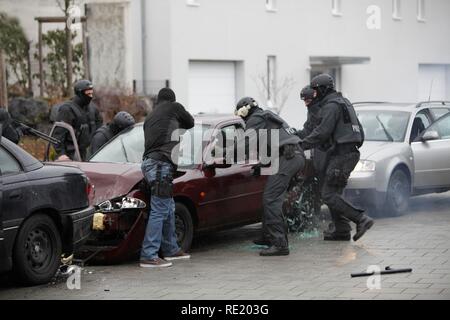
(384, 125)
(129, 147)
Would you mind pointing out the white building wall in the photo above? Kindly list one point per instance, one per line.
(245, 31)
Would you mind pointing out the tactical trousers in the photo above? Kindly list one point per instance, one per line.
(336, 176)
(274, 223)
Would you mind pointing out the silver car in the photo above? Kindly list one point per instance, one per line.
(406, 152)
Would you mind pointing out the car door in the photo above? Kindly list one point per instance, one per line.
(234, 194)
(431, 155)
(15, 187)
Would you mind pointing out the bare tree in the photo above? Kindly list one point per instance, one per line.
(275, 95)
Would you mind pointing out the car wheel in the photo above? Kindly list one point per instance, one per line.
(184, 226)
(37, 250)
(398, 193)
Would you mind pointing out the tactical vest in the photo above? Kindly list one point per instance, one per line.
(348, 128)
(82, 125)
(106, 132)
(91, 115)
(286, 133)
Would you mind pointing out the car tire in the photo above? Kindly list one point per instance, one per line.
(184, 226)
(398, 194)
(37, 251)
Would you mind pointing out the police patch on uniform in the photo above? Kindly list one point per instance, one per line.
(290, 130)
(356, 128)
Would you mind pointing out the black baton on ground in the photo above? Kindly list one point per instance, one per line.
(387, 270)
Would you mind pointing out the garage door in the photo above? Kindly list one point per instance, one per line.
(211, 87)
(434, 79)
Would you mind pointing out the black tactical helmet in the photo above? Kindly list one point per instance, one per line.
(123, 120)
(247, 101)
(324, 81)
(244, 105)
(82, 85)
(307, 93)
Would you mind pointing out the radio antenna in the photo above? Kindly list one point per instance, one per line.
(431, 89)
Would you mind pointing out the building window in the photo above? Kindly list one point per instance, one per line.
(421, 10)
(271, 5)
(193, 3)
(336, 8)
(396, 9)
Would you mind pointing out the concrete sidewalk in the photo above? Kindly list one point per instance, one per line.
(227, 266)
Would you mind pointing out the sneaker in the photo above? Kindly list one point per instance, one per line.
(365, 224)
(178, 256)
(155, 263)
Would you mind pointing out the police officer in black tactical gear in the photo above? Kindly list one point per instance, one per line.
(291, 161)
(340, 125)
(121, 121)
(78, 113)
(313, 117)
(7, 129)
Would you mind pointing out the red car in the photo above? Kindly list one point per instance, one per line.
(207, 197)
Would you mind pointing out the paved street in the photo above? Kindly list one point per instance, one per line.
(227, 266)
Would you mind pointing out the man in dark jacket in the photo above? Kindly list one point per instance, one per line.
(121, 121)
(290, 159)
(8, 130)
(158, 167)
(78, 113)
(340, 125)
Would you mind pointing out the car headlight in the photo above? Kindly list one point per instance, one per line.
(365, 166)
(121, 204)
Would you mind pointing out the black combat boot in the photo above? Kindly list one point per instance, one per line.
(336, 236)
(362, 226)
(275, 251)
(262, 242)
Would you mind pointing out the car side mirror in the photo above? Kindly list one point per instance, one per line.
(430, 135)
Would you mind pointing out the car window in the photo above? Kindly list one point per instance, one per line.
(8, 165)
(129, 147)
(126, 147)
(191, 146)
(423, 115)
(226, 140)
(439, 112)
(384, 125)
(442, 127)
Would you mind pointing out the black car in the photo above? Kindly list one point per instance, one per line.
(44, 213)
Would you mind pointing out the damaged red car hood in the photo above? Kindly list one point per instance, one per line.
(110, 180)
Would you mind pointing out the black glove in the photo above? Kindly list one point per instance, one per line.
(256, 170)
(289, 151)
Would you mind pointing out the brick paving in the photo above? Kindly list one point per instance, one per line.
(226, 266)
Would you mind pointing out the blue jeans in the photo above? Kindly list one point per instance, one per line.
(160, 231)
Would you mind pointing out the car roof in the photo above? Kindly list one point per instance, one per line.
(400, 106)
(28, 162)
